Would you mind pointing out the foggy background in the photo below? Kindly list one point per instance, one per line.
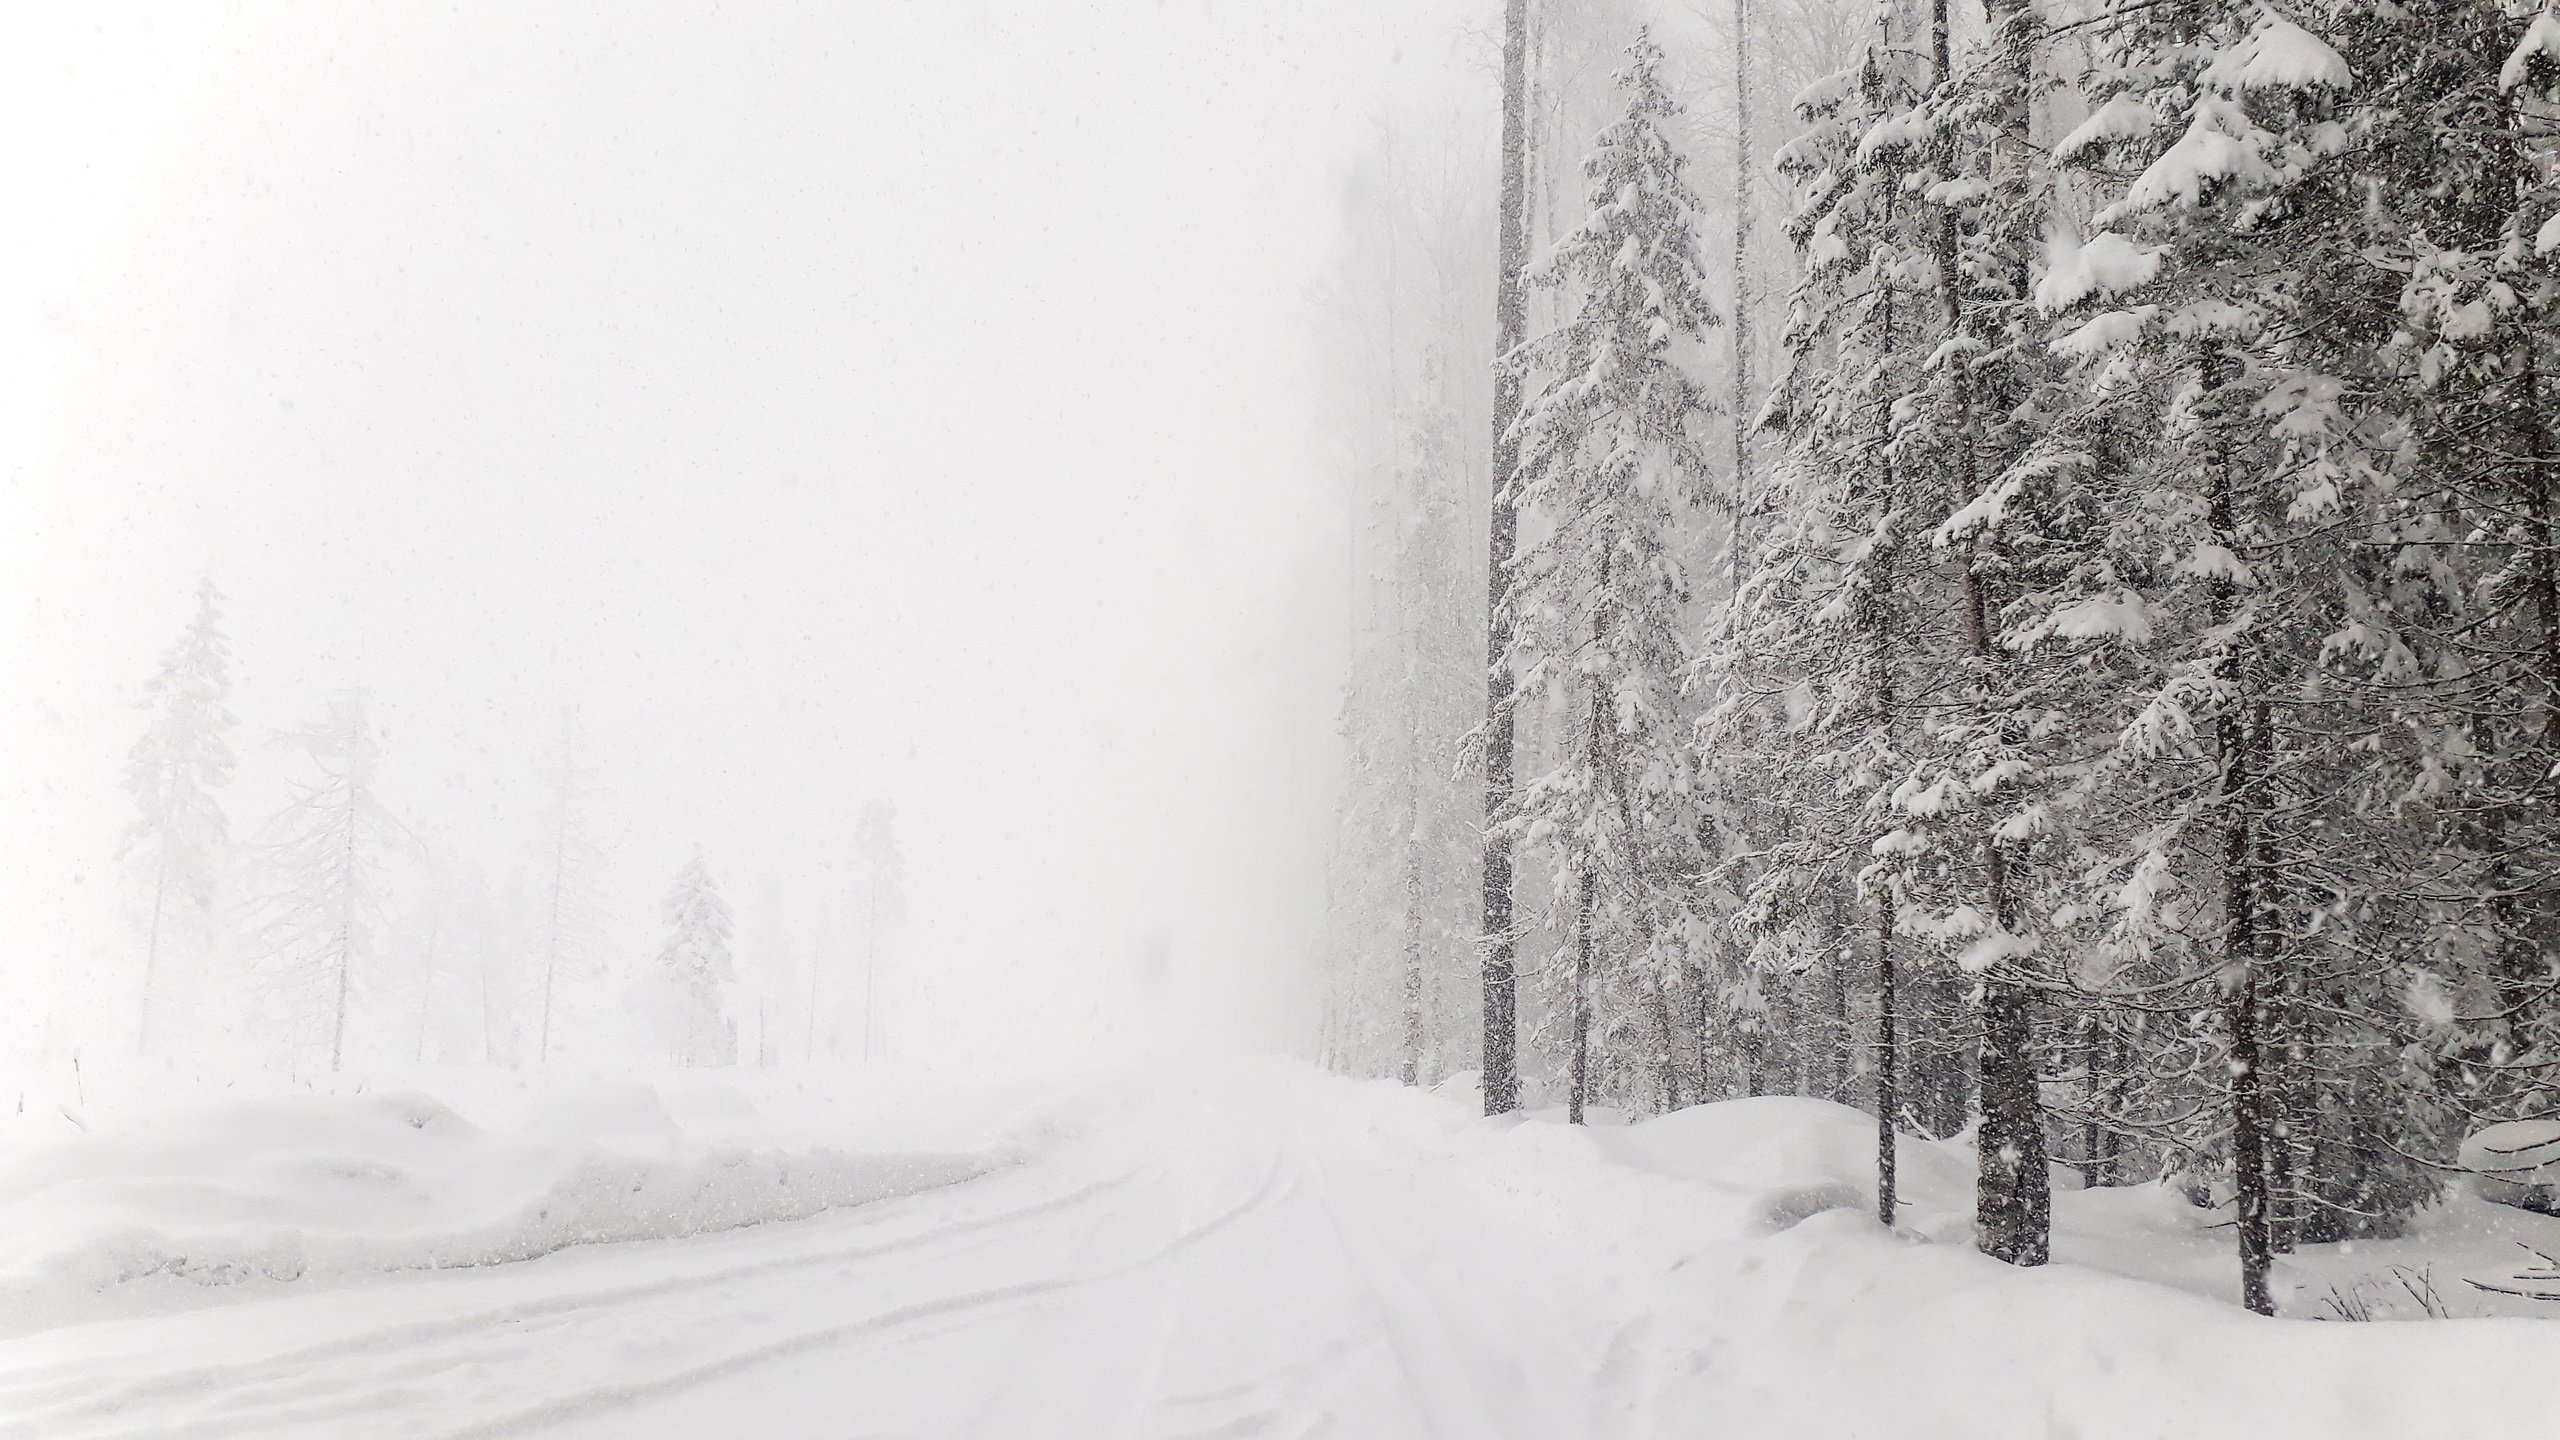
(898, 399)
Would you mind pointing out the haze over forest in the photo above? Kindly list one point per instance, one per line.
(809, 426)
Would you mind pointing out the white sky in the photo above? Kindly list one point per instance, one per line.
(827, 399)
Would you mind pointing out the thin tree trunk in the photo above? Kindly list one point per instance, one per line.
(2274, 1017)
(2094, 1064)
(346, 936)
(870, 963)
(1411, 998)
(2238, 800)
(1840, 1067)
(1671, 1095)
(1581, 1000)
(1888, 998)
(427, 990)
(151, 960)
(2240, 1019)
(809, 1050)
(1500, 1062)
(551, 935)
(1887, 1101)
(1742, 397)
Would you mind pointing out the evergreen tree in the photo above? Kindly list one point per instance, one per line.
(1832, 629)
(685, 997)
(175, 773)
(1612, 454)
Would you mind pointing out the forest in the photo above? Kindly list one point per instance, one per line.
(1993, 566)
(338, 930)
(1461, 720)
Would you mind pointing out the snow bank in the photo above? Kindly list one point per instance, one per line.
(1661, 1263)
(1780, 1159)
(2517, 1163)
(232, 1198)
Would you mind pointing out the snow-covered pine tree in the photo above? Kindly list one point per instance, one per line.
(1971, 799)
(1612, 455)
(2220, 299)
(685, 997)
(323, 859)
(1828, 576)
(2480, 500)
(884, 903)
(175, 773)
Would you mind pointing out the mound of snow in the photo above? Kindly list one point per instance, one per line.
(1791, 1158)
(2517, 1163)
(302, 1187)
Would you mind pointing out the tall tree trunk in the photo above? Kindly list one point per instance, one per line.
(1670, 1041)
(2013, 1203)
(1742, 397)
(2097, 1062)
(1500, 1059)
(870, 962)
(1887, 1101)
(1888, 1058)
(2275, 1016)
(346, 937)
(817, 955)
(1581, 1053)
(551, 935)
(2240, 1020)
(1411, 999)
(2238, 799)
(151, 960)
(427, 989)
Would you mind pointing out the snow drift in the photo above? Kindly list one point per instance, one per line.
(236, 1196)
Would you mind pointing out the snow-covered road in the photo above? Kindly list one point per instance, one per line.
(1265, 1254)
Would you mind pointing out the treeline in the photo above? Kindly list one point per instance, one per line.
(343, 932)
(2103, 688)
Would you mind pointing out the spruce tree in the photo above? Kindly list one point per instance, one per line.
(1612, 457)
(686, 996)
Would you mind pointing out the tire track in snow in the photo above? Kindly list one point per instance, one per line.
(1425, 1345)
(43, 1405)
(604, 1398)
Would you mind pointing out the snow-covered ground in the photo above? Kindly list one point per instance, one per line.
(1262, 1251)
(230, 1200)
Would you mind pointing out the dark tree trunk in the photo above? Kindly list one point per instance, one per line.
(1887, 1102)
(1411, 998)
(1581, 1087)
(1742, 397)
(2239, 798)
(1670, 1040)
(1500, 1058)
(2013, 1203)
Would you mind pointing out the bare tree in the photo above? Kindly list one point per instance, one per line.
(174, 772)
